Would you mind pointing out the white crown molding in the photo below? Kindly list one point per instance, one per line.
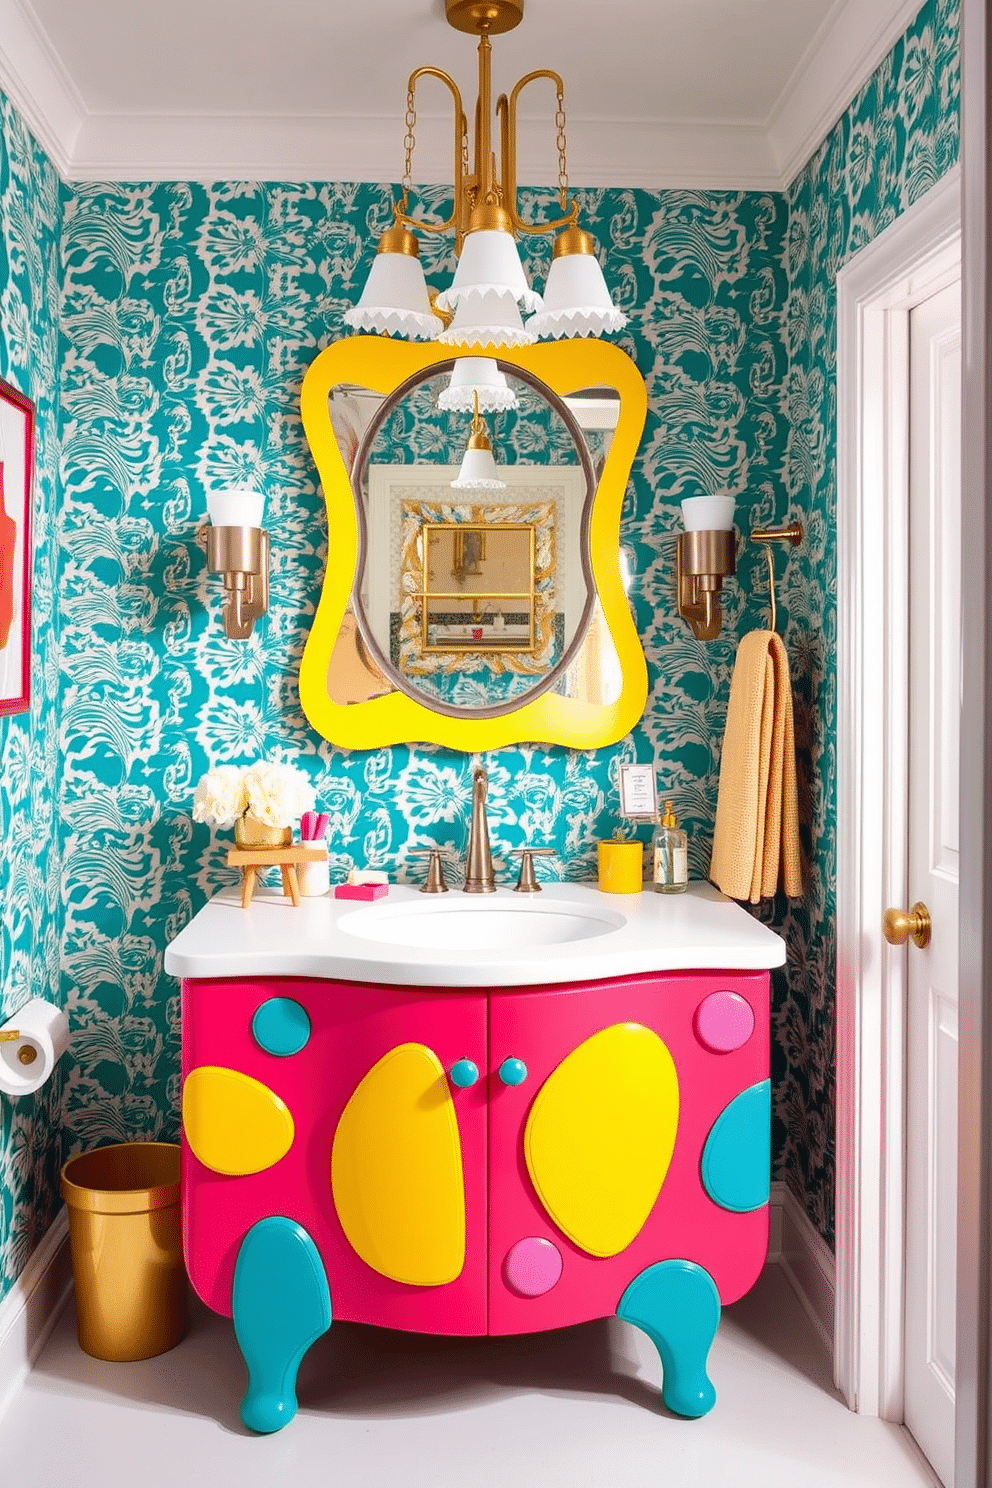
(840, 59)
(653, 154)
(615, 152)
(36, 83)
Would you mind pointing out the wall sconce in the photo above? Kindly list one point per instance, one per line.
(238, 547)
(705, 555)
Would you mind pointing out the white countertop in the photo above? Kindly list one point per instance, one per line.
(699, 930)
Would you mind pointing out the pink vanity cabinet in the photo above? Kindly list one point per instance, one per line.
(469, 1160)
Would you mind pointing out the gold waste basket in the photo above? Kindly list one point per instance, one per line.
(127, 1252)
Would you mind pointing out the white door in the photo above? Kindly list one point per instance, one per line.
(932, 1014)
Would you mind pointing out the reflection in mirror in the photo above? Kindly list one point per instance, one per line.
(474, 602)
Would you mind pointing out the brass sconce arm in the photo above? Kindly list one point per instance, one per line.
(241, 554)
(703, 560)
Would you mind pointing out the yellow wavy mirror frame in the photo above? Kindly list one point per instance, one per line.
(566, 368)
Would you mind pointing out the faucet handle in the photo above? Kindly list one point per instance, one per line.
(434, 882)
(527, 883)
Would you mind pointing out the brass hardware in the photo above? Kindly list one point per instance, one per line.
(898, 925)
(241, 554)
(27, 1055)
(793, 533)
(434, 882)
(527, 883)
(479, 876)
(481, 198)
(9, 1036)
(702, 561)
(474, 16)
(399, 239)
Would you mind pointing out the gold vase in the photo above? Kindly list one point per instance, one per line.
(248, 832)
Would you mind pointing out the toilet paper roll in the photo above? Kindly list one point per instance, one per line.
(42, 1038)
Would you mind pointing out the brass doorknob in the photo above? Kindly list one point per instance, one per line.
(900, 925)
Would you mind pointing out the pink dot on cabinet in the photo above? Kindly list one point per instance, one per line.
(532, 1267)
(723, 1021)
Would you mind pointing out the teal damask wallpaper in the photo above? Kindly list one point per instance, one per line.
(30, 1140)
(189, 314)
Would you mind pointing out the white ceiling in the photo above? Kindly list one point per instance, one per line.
(707, 93)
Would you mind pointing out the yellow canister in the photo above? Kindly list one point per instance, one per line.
(127, 1250)
(621, 867)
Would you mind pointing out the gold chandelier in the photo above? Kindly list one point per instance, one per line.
(482, 305)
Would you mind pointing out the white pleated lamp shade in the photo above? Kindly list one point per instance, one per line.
(478, 472)
(238, 506)
(395, 297)
(576, 299)
(487, 320)
(489, 263)
(477, 377)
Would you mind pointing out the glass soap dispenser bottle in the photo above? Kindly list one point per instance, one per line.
(671, 855)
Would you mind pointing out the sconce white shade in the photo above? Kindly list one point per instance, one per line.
(395, 298)
(237, 507)
(489, 264)
(487, 320)
(478, 376)
(576, 299)
(478, 472)
(708, 513)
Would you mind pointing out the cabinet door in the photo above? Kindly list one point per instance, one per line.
(621, 1090)
(400, 1152)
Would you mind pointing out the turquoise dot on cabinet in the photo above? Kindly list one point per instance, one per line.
(281, 1026)
(736, 1166)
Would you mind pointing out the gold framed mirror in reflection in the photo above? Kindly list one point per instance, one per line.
(479, 588)
(464, 613)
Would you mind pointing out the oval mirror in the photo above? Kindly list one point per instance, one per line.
(473, 593)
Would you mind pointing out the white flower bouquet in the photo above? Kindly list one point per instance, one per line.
(274, 795)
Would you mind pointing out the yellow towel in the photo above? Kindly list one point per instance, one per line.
(757, 813)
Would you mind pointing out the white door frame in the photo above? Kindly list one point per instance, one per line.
(918, 254)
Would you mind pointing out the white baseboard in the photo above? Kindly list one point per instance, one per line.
(796, 1245)
(31, 1307)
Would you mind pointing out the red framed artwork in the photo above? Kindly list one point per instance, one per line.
(16, 470)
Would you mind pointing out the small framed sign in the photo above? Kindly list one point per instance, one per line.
(638, 792)
(16, 468)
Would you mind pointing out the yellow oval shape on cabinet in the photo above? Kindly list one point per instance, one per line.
(396, 1170)
(600, 1136)
(234, 1124)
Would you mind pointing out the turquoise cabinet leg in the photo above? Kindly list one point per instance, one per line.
(282, 1305)
(677, 1305)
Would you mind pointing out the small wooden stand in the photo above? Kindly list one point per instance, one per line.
(251, 859)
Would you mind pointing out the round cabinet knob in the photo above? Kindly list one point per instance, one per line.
(513, 1072)
(463, 1074)
(898, 926)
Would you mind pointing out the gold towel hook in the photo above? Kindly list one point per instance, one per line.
(793, 534)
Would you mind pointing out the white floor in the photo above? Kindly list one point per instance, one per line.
(579, 1407)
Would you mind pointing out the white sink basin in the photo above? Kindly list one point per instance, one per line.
(471, 925)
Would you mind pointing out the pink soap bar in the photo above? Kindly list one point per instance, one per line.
(361, 891)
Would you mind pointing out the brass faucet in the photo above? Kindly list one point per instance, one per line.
(479, 877)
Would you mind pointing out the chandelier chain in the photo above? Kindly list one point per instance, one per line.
(409, 142)
(562, 165)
